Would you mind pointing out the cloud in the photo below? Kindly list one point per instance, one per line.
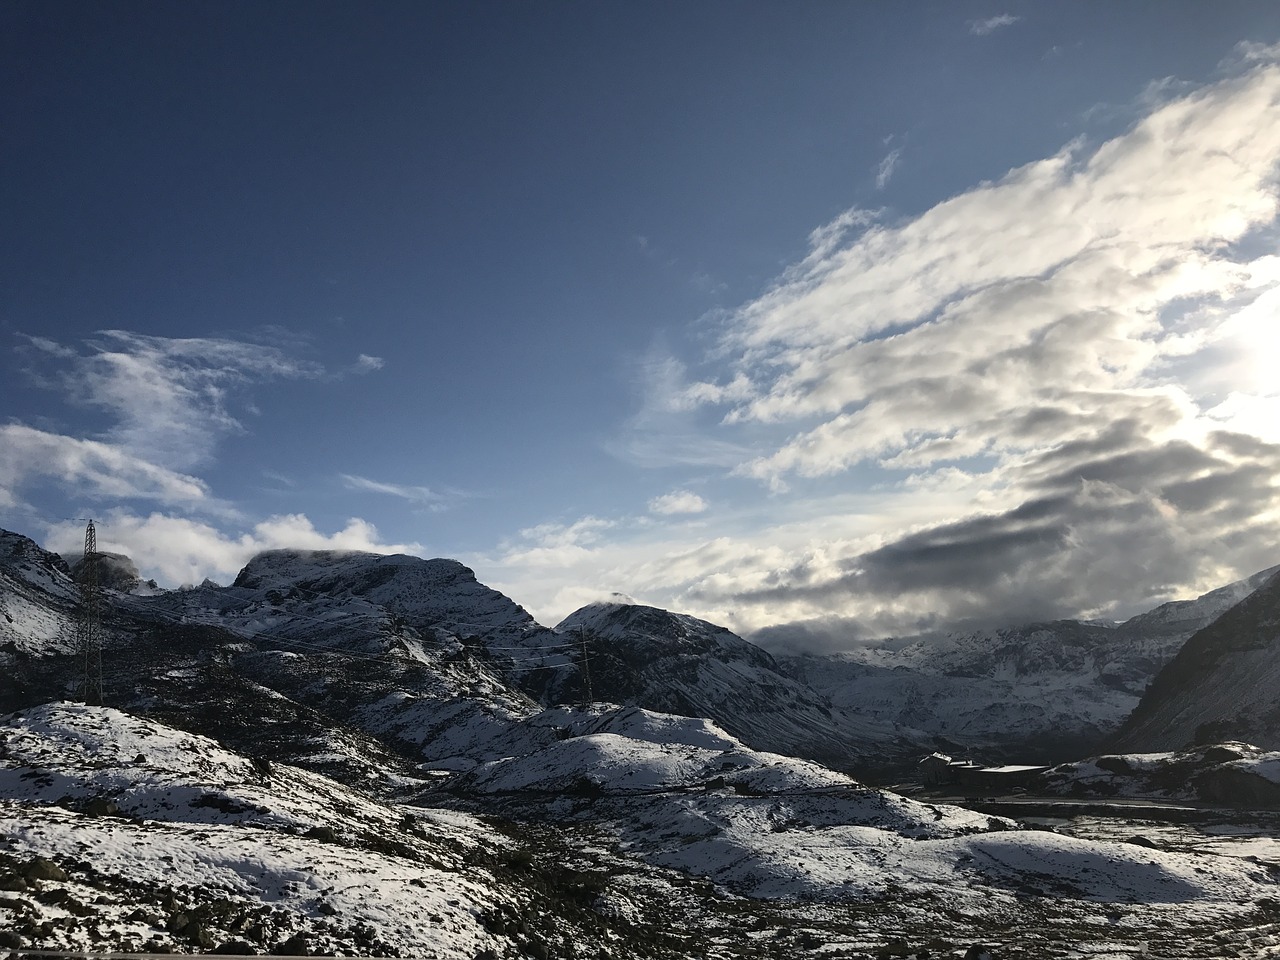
(1055, 391)
(176, 550)
(424, 496)
(169, 398)
(92, 468)
(169, 403)
(367, 364)
(556, 544)
(1067, 273)
(668, 429)
(677, 501)
(887, 167)
(981, 28)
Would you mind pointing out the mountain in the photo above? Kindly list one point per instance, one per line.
(1035, 692)
(1221, 685)
(679, 664)
(348, 754)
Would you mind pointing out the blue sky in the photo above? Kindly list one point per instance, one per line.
(824, 321)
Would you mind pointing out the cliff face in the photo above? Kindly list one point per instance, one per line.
(1221, 685)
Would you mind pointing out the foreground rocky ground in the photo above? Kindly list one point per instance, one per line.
(120, 833)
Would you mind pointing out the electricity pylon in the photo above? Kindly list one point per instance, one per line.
(89, 633)
(586, 671)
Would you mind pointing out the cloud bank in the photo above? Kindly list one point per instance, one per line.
(168, 404)
(1057, 389)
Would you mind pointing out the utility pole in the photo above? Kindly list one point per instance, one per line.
(586, 670)
(89, 635)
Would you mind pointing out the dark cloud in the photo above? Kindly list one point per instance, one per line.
(1108, 537)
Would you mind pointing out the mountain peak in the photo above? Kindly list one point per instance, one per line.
(438, 591)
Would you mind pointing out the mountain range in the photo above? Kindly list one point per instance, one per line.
(344, 752)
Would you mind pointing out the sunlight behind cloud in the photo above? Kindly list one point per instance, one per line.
(1066, 366)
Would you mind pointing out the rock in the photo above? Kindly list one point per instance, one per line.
(8, 939)
(197, 935)
(296, 946)
(978, 952)
(101, 807)
(324, 833)
(42, 869)
(1140, 841)
(1223, 753)
(12, 882)
(236, 948)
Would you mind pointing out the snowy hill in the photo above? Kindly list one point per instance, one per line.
(1232, 773)
(122, 832)
(1032, 692)
(1221, 685)
(679, 664)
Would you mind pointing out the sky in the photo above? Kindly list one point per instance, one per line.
(822, 321)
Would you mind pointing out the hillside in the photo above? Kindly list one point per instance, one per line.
(679, 664)
(1221, 685)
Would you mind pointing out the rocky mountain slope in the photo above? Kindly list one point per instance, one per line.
(1035, 692)
(679, 664)
(1221, 685)
(418, 652)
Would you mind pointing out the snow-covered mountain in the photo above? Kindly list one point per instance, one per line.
(346, 753)
(1036, 692)
(1221, 685)
(679, 664)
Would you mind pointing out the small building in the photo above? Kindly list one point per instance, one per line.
(938, 770)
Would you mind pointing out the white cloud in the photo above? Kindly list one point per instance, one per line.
(176, 550)
(887, 167)
(367, 364)
(666, 430)
(94, 469)
(677, 501)
(432, 499)
(980, 28)
(556, 544)
(1065, 274)
(1062, 380)
(170, 398)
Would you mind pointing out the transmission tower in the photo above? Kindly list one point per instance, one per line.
(89, 635)
(586, 671)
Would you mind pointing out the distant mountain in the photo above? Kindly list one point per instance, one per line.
(679, 664)
(1035, 692)
(1221, 686)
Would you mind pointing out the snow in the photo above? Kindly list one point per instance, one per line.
(670, 819)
